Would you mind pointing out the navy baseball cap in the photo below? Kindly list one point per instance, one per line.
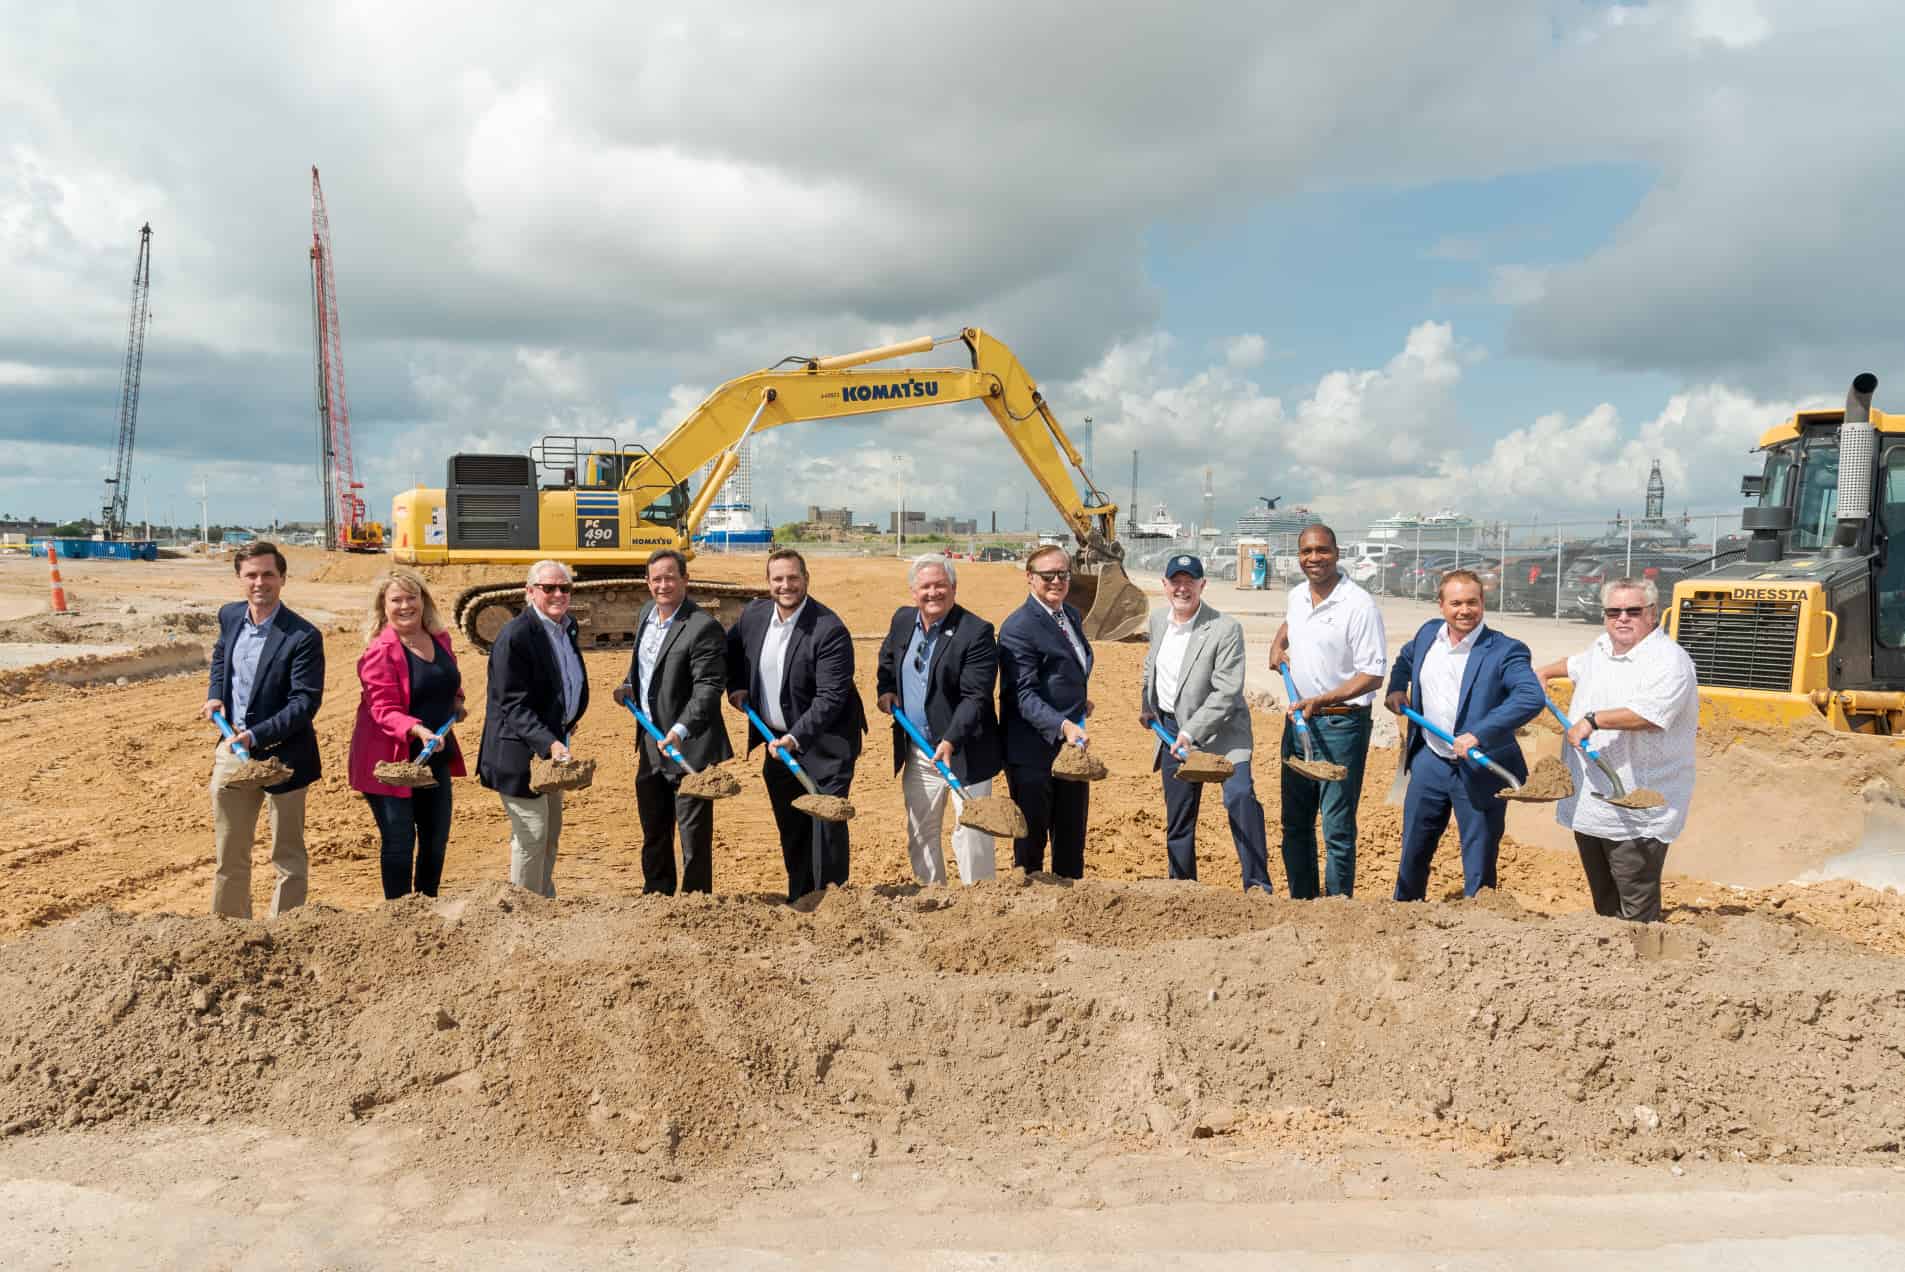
(1184, 564)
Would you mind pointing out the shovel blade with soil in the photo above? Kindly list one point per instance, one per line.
(560, 775)
(1317, 770)
(1203, 767)
(995, 815)
(257, 774)
(827, 808)
(407, 774)
(1076, 764)
(1547, 782)
(710, 783)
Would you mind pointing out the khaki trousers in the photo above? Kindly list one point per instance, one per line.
(235, 830)
(535, 827)
(926, 798)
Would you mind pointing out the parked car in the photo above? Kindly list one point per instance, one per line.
(1582, 585)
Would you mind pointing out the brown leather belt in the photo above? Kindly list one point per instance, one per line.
(1362, 710)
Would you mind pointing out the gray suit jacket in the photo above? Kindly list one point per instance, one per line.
(1210, 695)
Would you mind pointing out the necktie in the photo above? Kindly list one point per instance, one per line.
(1078, 649)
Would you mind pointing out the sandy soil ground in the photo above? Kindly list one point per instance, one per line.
(608, 1072)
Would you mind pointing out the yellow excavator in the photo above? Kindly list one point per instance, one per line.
(610, 506)
(1810, 624)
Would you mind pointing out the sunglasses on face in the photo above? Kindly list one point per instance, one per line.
(556, 587)
(1054, 576)
(1623, 611)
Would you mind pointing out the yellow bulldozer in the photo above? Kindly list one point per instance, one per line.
(604, 507)
(1810, 624)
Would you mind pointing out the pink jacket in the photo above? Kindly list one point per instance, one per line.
(382, 731)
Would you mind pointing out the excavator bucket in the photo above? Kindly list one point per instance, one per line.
(1115, 607)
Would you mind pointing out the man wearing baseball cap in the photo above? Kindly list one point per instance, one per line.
(1193, 685)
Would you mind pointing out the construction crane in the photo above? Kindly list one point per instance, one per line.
(112, 518)
(345, 525)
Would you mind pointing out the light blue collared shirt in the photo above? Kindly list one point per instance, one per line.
(247, 647)
(916, 671)
(573, 675)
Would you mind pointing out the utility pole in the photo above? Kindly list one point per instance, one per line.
(145, 488)
(1131, 518)
(204, 516)
(1091, 453)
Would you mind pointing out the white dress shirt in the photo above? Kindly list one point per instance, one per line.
(1168, 667)
(773, 664)
(1071, 635)
(1656, 680)
(648, 652)
(1440, 676)
(573, 676)
(1333, 641)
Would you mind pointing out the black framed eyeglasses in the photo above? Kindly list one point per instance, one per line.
(1054, 576)
(919, 661)
(1617, 611)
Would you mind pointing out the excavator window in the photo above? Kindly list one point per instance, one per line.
(1816, 513)
(1890, 583)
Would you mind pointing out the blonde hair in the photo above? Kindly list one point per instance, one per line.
(406, 581)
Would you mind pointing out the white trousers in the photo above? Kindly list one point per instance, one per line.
(926, 799)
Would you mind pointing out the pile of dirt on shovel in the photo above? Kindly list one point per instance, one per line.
(1076, 764)
(668, 1038)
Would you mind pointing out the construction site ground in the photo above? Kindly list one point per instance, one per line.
(1123, 1072)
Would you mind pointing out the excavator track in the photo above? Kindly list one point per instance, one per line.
(606, 611)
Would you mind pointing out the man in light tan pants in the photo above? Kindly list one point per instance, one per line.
(235, 826)
(268, 665)
(535, 828)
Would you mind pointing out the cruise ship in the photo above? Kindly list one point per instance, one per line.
(1160, 526)
(1445, 529)
(1267, 520)
(731, 523)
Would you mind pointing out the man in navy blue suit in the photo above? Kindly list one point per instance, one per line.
(1044, 665)
(268, 667)
(1478, 685)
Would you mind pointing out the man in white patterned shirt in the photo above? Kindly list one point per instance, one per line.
(1637, 698)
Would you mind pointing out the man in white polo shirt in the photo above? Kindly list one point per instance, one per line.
(1333, 640)
(1637, 698)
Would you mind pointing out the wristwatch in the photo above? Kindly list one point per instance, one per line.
(1589, 717)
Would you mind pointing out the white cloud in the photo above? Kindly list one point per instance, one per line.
(1245, 351)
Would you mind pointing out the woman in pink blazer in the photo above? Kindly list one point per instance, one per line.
(411, 687)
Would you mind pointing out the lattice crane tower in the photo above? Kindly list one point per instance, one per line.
(343, 507)
(112, 518)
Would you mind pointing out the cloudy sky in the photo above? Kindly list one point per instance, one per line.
(1496, 254)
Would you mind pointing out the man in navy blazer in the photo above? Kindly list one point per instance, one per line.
(1044, 667)
(538, 690)
(791, 658)
(1479, 685)
(939, 664)
(268, 667)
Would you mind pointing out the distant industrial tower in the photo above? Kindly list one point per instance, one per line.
(1210, 506)
(345, 525)
(112, 518)
(1656, 496)
(1131, 510)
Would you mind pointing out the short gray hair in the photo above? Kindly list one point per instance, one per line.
(931, 560)
(1646, 587)
(568, 575)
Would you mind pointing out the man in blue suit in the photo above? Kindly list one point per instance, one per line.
(1044, 665)
(1479, 685)
(268, 667)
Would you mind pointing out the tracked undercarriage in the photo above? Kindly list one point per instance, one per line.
(606, 611)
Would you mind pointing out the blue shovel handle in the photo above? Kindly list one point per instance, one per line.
(668, 748)
(1607, 770)
(225, 727)
(1164, 733)
(1296, 717)
(436, 741)
(793, 765)
(919, 740)
(1474, 753)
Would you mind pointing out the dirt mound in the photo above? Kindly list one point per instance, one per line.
(677, 1036)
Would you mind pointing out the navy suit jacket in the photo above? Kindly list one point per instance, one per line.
(959, 687)
(819, 701)
(285, 693)
(523, 717)
(1499, 694)
(1040, 683)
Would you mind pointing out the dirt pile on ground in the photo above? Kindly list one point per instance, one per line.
(682, 1035)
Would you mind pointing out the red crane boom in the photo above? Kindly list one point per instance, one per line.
(345, 525)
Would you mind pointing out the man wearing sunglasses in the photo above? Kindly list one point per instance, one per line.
(1044, 666)
(538, 690)
(1637, 698)
(939, 664)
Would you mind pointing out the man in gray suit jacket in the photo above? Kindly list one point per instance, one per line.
(1194, 686)
(676, 675)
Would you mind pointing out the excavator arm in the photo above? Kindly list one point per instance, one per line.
(836, 387)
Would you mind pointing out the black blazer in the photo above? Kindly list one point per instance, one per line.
(1040, 683)
(819, 700)
(959, 687)
(524, 715)
(286, 691)
(686, 687)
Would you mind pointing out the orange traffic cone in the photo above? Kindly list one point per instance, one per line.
(59, 589)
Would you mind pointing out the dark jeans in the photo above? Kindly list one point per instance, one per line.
(816, 853)
(1623, 875)
(415, 832)
(1340, 739)
(663, 809)
(1056, 812)
(1436, 788)
(1181, 802)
